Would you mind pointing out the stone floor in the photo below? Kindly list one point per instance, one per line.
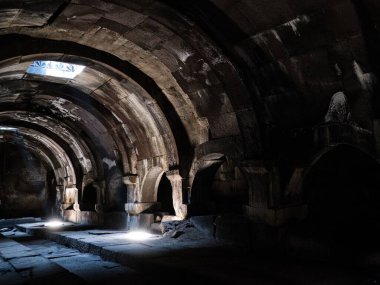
(98, 256)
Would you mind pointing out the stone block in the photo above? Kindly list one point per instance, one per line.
(137, 208)
(204, 224)
(145, 221)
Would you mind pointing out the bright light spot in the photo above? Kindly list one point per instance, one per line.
(54, 224)
(139, 235)
(8, 129)
(55, 68)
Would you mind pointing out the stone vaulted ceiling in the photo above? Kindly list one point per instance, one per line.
(167, 82)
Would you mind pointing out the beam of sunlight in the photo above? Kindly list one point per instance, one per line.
(55, 68)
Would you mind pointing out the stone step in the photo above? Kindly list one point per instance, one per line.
(40, 228)
(5, 223)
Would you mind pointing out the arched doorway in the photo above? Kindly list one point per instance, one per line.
(165, 196)
(219, 187)
(116, 196)
(88, 198)
(342, 190)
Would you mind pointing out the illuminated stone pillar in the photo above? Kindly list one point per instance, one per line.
(133, 205)
(178, 198)
(70, 198)
(132, 184)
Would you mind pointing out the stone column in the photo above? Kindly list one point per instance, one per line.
(132, 184)
(69, 197)
(133, 205)
(59, 198)
(176, 182)
(99, 186)
(265, 196)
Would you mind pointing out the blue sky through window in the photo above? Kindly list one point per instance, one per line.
(55, 68)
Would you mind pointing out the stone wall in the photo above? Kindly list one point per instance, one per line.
(23, 183)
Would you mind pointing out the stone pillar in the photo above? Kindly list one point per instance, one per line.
(178, 197)
(99, 186)
(59, 198)
(133, 185)
(259, 180)
(265, 196)
(70, 198)
(133, 205)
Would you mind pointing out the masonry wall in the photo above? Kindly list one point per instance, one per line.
(23, 187)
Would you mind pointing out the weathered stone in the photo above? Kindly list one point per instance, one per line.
(176, 234)
(205, 224)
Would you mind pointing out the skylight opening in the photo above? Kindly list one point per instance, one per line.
(55, 68)
(11, 129)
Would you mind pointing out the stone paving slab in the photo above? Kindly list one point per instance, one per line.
(11, 222)
(89, 267)
(7, 272)
(192, 259)
(21, 265)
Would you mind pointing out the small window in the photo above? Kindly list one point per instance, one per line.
(55, 68)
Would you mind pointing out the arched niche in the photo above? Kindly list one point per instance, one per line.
(165, 196)
(157, 192)
(150, 185)
(89, 198)
(219, 187)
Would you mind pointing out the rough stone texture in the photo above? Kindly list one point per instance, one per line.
(191, 255)
(23, 184)
(226, 98)
(204, 224)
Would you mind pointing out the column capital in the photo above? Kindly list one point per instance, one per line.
(130, 179)
(173, 174)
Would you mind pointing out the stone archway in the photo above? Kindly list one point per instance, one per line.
(165, 196)
(219, 187)
(89, 198)
(341, 189)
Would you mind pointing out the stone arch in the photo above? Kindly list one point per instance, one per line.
(218, 186)
(89, 197)
(165, 196)
(341, 189)
(150, 185)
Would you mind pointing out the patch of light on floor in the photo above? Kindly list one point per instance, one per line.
(139, 235)
(55, 68)
(54, 224)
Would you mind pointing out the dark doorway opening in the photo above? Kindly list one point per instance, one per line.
(165, 196)
(219, 188)
(342, 190)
